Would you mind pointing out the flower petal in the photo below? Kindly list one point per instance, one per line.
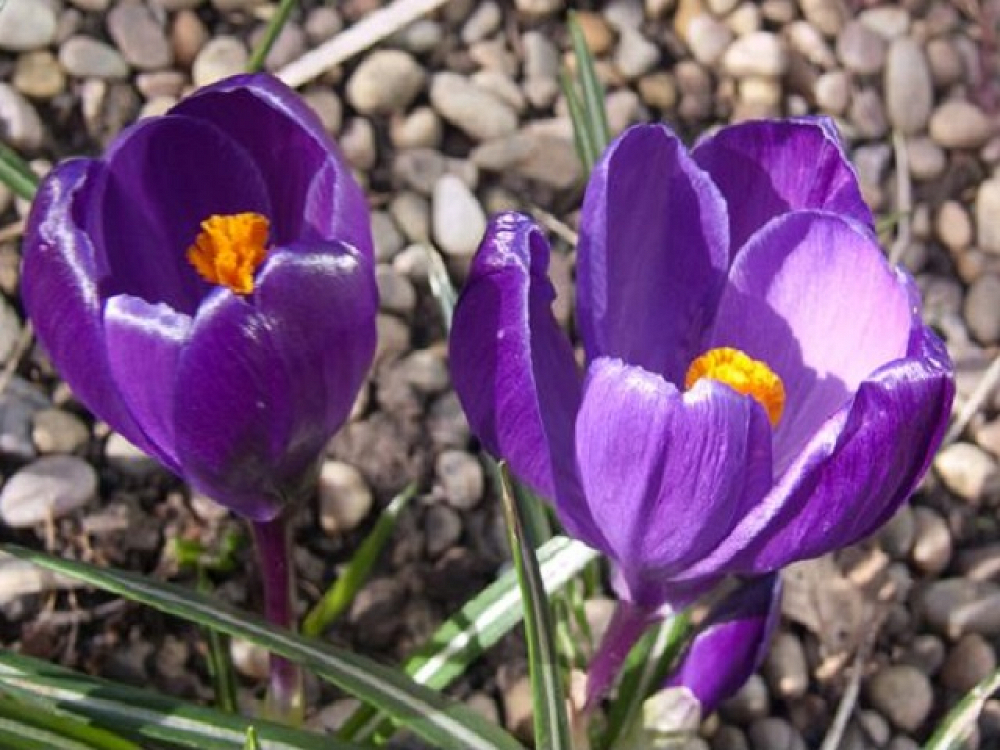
(140, 221)
(513, 368)
(144, 343)
(313, 193)
(855, 472)
(767, 168)
(652, 253)
(60, 287)
(265, 381)
(812, 296)
(666, 474)
(731, 644)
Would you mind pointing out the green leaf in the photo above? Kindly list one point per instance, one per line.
(274, 28)
(548, 696)
(582, 137)
(594, 110)
(54, 729)
(16, 174)
(251, 742)
(441, 286)
(645, 669)
(445, 724)
(148, 716)
(477, 626)
(960, 722)
(343, 591)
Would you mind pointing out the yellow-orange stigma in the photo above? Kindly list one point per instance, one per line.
(229, 249)
(744, 375)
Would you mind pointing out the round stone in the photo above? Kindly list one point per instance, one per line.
(860, 49)
(470, 108)
(385, 81)
(50, 487)
(220, 58)
(902, 694)
(86, 57)
(461, 478)
(980, 309)
(344, 497)
(139, 37)
(967, 470)
(38, 75)
(987, 211)
(960, 124)
(758, 54)
(909, 90)
(27, 25)
(22, 127)
(458, 221)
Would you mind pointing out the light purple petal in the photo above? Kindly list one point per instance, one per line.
(265, 380)
(143, 344)
(513, 368)
(312, 191)
(855, 472)
(812, 297)
(652, 254)
(60, 289)
(769, 167)
(627, 626)
(164, 177)
(666, 474)
(732, 643)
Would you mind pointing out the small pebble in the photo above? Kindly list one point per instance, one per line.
(982, 303)
(21, 578)
(86, 57)
(386, 81)
(932, 545)
(221, 57)
(967, 470)
(470, 108)
(37, 75)
(909, 90)
(956, 606)
(442, 529)
(786, 669)
(345, 499)
(58, 431)
(860, 49)
(987, 211)
(972, 659)
(49, 487)
(960, 124)
(902, 694)
(139, 37)
(759, 54)
(461, 478)
(27, 25)
(458, 220)
(21, 126)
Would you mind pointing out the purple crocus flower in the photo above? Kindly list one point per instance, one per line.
(759, 387)
(207, 289)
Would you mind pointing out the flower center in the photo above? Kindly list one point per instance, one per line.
(229, 249)
(744, 375)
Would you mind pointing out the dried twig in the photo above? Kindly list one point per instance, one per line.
(368, 31)
(987, 384)
(554, 224)
(850, 697)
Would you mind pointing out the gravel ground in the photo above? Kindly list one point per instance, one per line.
(454, 117)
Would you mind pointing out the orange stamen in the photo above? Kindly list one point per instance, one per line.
(744, 375)
(229, 249)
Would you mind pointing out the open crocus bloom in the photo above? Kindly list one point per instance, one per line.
(759, 386)
(207, 289)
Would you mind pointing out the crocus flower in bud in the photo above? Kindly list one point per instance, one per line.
(731, 644)
(759, 387)
(207, 289)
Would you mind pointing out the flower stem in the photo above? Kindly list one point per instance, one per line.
(285, 700)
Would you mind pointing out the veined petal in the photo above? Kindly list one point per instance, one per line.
(731, 644)
(767, 168)
(164, 177)
(312, 191)
(812, 296)
(144, 343)
(60, 287)
(854, 473)
(265, 380)
(513, 368)
(652, 255)
(666, 475)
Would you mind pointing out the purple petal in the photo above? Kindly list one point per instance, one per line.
(313, 193)
(266, 380)
(164, 177)
(667, 475)
(59, 287)
(652, 253)
(855, 472)
(513, 368)
(731, 644)
(770, 167)
(144, 343)
(812, 296)
(627, 626)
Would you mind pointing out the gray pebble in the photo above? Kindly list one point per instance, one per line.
(344, 497)
(932, 546)
(967, 470)
(982, 308)
(220, 58)
(483, 21)
(708, 38)
(421, 36)
(860, 49)
(420, 128)
(896, 537)
(927, 159)
(357, 141)
(988, 215)
(750, 702)
(412, 214)
(909, 91)
(956, 606)
(889, 22)
(902, 694)
(541, 157)
(786, 669)
(126, 458)
(471, 109)
(327, 107)
(458, 220)
(375, 611)
(538, 8)
(427, 372)
(774, 733)
(27, 25)
(758, 54)
(442, 529)
(396, 292)
(86, 57)
(21, 125)
(287, 47)
(21, 578)
(386, 237)
(387, 80)
(461, 478)
(393, 337)
(635, 55)
(37, 75)
(50, 487)
(58, 431)
(971, 660)
(960, 124)
(139, 37)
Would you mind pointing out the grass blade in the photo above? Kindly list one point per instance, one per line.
(445, 724)
(582, 137)
(441, 286)
(16, 174)
(61, 731)
(477, 626)
(645, 670)
(148, 716)
(342, 592)
(960, 722)
(549, 698)
(252, 743)
(278, 21)
(593, 92)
